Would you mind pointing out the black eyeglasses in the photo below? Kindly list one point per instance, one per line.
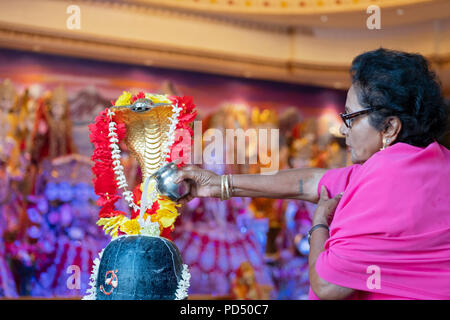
(346, 117)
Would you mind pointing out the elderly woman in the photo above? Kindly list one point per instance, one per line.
(381, 229)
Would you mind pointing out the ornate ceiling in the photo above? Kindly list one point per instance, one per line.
(301, 41)
(277, 6)
(289, 13)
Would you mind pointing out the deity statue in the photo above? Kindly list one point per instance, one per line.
(11, 202)
(245, 285)
(271, 209)
(9, 170)
(52, 133)
(60, 125)
(9, 148)
(28, 106)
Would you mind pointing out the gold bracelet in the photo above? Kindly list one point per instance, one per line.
(227, 188)
(230, 178)
(222, 187)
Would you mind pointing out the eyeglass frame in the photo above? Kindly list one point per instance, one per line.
(351, 115)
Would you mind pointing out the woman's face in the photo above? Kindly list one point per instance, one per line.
(362, 139)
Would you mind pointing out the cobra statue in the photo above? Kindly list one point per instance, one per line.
(140, 262)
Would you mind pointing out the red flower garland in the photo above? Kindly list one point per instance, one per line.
(185, 118)
(105, 185)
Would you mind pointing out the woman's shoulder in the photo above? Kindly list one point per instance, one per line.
(403, 154)
(403, 165)
(337, 179)
(389, 163)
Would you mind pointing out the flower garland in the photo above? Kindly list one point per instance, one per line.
(156, 214)
(91, 292)
(183, 285)
(116, 155)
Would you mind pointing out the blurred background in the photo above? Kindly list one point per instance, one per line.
(260, 64)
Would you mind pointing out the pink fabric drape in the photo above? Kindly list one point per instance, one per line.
(392, 224)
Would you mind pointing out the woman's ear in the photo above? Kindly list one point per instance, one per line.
(392, 128)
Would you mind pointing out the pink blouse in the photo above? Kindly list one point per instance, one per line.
(390, 235)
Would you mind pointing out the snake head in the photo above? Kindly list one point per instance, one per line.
(143, 105)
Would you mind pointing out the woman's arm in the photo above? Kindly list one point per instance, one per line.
(323, 289)
(298, 184)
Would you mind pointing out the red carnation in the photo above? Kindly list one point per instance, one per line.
(105, 212)
(165, 233)
(107, 200)
(185, 102)
(140, 95)
(186, 118)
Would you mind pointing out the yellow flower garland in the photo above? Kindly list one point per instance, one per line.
(124, 99)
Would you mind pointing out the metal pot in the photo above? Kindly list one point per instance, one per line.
(165, 184)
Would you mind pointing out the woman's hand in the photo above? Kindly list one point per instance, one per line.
(324, 213)
(325, 207)
(203, 183)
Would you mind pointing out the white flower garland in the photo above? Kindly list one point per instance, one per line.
(118, 168)
(183, 284)
(91, 293)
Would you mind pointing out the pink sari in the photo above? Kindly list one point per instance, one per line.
(390, 235)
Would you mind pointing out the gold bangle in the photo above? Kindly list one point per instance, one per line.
(230, 181)
(226, 187)
(222, 187)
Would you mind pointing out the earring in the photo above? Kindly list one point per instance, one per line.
(385, 143)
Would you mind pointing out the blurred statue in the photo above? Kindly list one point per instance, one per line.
(9, 147)
(230, 116)
(52, 133)
(28, 107)
(8, 101)
(289, 118)
(60, 125)
(9, 169)
(245, 285)
(85, 105)
(303, 149)
(11, 203)
(272, 209)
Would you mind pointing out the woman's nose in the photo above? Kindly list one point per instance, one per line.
(343, 129)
